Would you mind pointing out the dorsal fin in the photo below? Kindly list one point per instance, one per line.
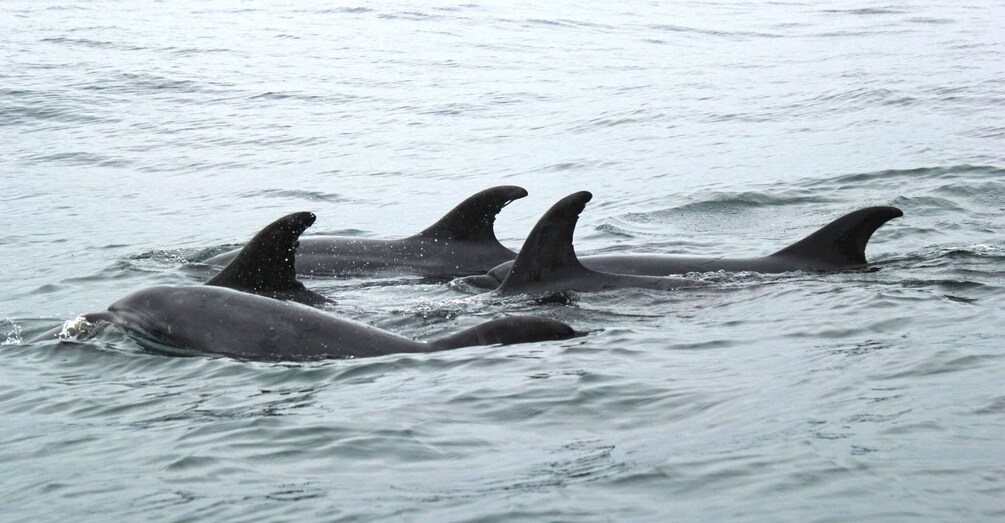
(548, 253)
(472, 219)
(841, 243)
(266, 265)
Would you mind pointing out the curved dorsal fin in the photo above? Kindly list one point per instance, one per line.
(548, 253)
(266, 265)
(472, 219)
(841, 243)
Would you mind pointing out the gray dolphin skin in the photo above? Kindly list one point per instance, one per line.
(223, 321)
(547, 263)
(462, 242)
(839, 245)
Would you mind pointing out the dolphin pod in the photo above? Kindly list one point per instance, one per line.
(256, 308)
(462, 242)
(839, 245)
(243, 312)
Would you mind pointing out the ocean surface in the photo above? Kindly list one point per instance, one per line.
(138, 138)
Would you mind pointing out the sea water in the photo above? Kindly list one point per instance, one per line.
(139, 137)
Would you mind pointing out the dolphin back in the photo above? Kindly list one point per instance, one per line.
(506, 331)
(841, 243)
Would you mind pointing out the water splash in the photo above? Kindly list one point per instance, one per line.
(13, 336)
(77, 328)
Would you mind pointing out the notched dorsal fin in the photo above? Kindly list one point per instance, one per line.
(548, 250)
(842, 242)
(266, 265)
(473, 219)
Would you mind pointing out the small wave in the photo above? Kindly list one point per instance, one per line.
(973, 251)
(132, 83)
(410, 15)
(546, 22)
(610, 228)
(564, 166)
(960, 299)
(850, 100)
(16, 115)
(720, 205)
(739, 277)
(955, 257)
(193, 51)
(295, 194)
(357, 9)
(271, 95)
(609, 120)
(92, 28)
(860, 33)
(988, 193)
(924, 203)
(994, 407)
(165, 258)
(201, 255)
(78, 41)
(15, 92)
(229, 11)
(563, 23)
(931, 21)
(711, 32)
(946, 361)
(899, 176)
(340, 232)
(989, 131)
(81, 158)
(866, 11)
(862, 93)
(580, 461)
(452, 109)
(738, 117)
(949, 284)
(336, 10)
(427, 313)
(97, 44)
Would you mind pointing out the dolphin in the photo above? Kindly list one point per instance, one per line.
(462, 242)
(265, 266)
(839, 245)
(219, 320)
(547, 263)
